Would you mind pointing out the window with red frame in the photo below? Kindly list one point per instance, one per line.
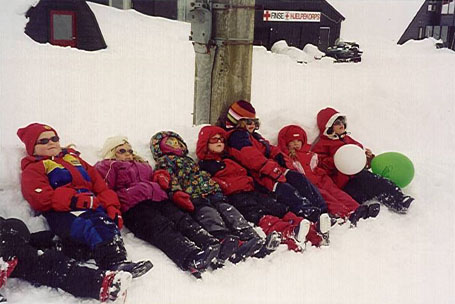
(63, 28)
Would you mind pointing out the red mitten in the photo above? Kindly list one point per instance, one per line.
(163, 178)
(83, 201)
(115, 215)
(182, 199)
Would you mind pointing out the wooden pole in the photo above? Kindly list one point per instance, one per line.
(233, 33)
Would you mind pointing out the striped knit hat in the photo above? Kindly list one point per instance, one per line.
(238, 110)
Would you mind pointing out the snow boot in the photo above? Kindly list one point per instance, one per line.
(198, 263)
(405, 203)
(324, 224)
(373, 210)
(359, 213)
(247, 249)
(114, 286)
(272, 241)
(229, 245)
(301, 230)
(136, 269)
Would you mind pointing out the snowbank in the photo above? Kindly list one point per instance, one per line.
(400, 98)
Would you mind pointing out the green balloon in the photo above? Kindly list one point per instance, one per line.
(394, 166)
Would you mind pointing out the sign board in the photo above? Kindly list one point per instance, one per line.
(291, 16)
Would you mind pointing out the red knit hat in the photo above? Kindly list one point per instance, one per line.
(238, 110)
(30, 134)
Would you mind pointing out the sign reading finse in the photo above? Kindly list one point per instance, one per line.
(291, 16)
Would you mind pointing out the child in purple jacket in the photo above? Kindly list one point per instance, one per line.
(149, 214)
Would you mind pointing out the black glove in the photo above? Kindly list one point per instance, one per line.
(279, 158)
(211, 166)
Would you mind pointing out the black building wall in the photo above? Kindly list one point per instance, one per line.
(161, 8)
(88, 36)
(430, 18)
(296, 34)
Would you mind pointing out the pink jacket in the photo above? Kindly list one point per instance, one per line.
(131, 180)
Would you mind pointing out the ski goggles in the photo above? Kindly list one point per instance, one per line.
(45, 141)
(214, 140)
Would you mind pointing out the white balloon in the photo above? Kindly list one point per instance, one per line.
(350, 159)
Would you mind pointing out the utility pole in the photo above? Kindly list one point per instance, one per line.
(223, 62)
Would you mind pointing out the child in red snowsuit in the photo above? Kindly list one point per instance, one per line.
(260, 209)
(267, 164)
(363, 186)
(292, 140)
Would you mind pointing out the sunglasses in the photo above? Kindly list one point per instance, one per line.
(215, 140)
(44, 141)
(123, 151)
(338, 122)
(250, 121)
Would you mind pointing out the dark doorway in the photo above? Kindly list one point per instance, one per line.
(324, 35)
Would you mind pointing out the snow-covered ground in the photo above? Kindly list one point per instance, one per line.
(400, 98)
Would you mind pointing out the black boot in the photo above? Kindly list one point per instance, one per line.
(229, 244)
(198, 262)
(136, 269)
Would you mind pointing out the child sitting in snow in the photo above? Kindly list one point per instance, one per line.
(25, 256)
(258, 208)
(267, 165)
(292, 140)
(193, 190)
(74, 199)
(363, 186)
(148, 213)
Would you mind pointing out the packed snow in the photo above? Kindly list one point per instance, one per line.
(399, 98)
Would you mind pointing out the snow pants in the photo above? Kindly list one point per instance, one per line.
(306, 189)
(165, 226)
(366, 186)
(254, 205)
(339, 203)
(220, 218)
(92, 232)
(51, 268)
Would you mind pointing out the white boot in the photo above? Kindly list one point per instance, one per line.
(302, 231)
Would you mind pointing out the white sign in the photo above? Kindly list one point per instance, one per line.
(291, 16)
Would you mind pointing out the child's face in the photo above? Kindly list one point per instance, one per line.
(295, 145)
(338, 127)
(124, 152)
(216, 144)
(174, 143)
(248, 124)
(47, 144)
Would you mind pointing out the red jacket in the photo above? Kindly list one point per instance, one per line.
(256, 154)
(49, 183)
(305, 161)
(230, 175)
(329, 144)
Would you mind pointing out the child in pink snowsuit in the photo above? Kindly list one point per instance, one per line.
(292, 140)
